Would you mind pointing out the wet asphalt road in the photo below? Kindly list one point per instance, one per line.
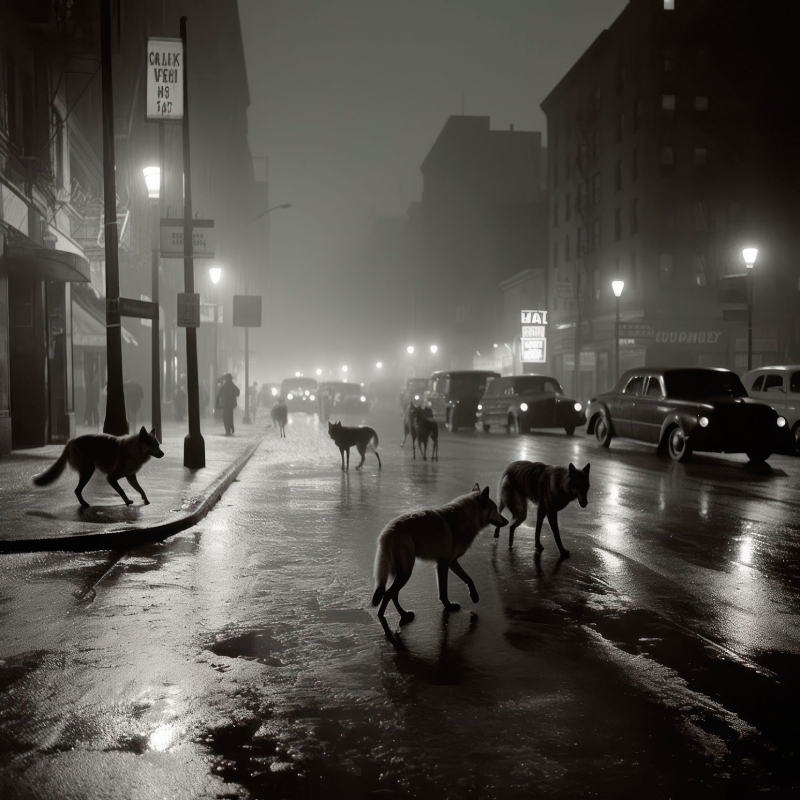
(241, 658)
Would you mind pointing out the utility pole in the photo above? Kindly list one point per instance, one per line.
(194, 447)
(116, 421)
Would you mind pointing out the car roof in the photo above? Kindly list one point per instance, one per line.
(467, 373)
(778, 367)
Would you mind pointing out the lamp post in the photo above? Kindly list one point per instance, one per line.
(617, 287)
(152, 179)
(215, 273)
(749, 254)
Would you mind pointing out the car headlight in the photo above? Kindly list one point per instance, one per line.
(312, 397)
(416, 397)
(363, 399)
(290, 396)
(307, 393)
(577, 406)
(523, 406)
(781, 422)
(703, 422)
(480, 407)
(274, 392)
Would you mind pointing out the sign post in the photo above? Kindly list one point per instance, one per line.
(246, 314)
(165, 84)
(203, 238)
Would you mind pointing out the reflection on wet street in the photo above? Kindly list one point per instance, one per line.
(242, 658)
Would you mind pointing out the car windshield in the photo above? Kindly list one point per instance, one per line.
(697, 383)
(298, 386)
(537, 383)
(416, 384)
(468, 384)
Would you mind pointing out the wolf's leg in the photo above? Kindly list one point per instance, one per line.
(348, 459)
(424, 447)
(135, 483)
(518, 505)
(414, 444)
(541, 513)
(459, 570)
(113, 480)
(392, 593)
(84, 477)
(552, 518)
(377, 455)
(341, 452)
(442, 569)
(362, 451)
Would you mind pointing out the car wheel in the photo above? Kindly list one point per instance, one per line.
(569, 430)
(677, 445)
(759, 456)
(486, 428)
(602, 431)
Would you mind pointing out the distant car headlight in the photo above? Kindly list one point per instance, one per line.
(312, 397)
(363, 399)
(416, 397)
(307, 393)
(480, 407)
(290, 396)
(523, 406)
(577, 406)
(703, 422)
(781, 422)
(274, 392)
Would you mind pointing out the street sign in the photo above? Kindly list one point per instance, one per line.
(164, 79)
(533, 332)
(534, 317)
(188, 310)
(534, 351)
(203, 238)
(246, 311)
(128, 307)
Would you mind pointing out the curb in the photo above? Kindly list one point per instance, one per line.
(123, 539)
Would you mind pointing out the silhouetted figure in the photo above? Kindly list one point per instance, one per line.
(280, 416)
(226, 400)
(133, 401)
(253, 391)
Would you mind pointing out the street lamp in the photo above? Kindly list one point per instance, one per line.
(344, 368)
(434, 348)
(379, 365)
(410, 349)
(319, 372)
(749, 254)
(264, 213)
(617, 287)
(215, 273)
(152, 179)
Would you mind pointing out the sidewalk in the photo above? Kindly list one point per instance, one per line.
(36, 518)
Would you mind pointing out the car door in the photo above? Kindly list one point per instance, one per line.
(645, 422)
(542, 406)
(626, 408)
(494, 403)
(793, 400)
(774, 391)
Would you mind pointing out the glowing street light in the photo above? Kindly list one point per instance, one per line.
(152, 179)
(319, 372)
(749, 254)
(344, 368)
(379, 365)
(298, 374)
(434, 348)
(410, 349)
(216, 274)
(617, 287)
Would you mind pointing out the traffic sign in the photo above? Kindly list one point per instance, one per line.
(203, 238)
(164, 80)
(188, 310)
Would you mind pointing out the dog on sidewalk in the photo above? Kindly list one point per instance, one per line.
(280, 416)
(362, 438)
(551, 488)
(424, 427)
(442, 535)
(117, 456)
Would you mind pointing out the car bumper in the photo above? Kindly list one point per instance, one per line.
(779, 441)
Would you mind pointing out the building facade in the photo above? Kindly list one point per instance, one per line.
(671, 149)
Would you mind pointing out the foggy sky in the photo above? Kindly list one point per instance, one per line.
(347, 97)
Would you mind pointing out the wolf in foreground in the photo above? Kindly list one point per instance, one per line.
(280, 415)
(362, 438)
(116, 456)
(440, 534)
(551, 488)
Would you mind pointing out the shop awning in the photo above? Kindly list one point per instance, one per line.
(33, 260)
(89, 331)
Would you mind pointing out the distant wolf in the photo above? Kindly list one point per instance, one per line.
(346, 438)
(442, 535)
(551, 488)
(424, 427)
(407, 415)
(280, 414)
(116, 456)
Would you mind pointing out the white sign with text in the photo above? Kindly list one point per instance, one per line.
(164, 79)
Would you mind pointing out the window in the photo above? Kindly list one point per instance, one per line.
(759, 384)
(598, 98)
(635, 165)
(618, 175)
(635, 385)
(555, 254)
(583, 156)
(774, 384)
(701, 103)
(617, 224)
(669, 5)
(567, 251)
(620, 126)
(582, 195)
(700, 156)
(636, 115)
(699, 271)
(620, 79)
(669, 62)
(596, 235)
(635, 215)
(567, 207)
(596, 195)
(567, 165)
(654, 388)
(597, 144)
(794, 384)
(665, 268)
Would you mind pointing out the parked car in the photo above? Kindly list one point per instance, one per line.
(454, 396)
(300, 394)
(344, 397)
(521, 402)
(414, 389)
(688, 409)
(778, 387)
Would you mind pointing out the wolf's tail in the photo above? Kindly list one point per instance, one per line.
(383, 566)
(53, 473)
(374, 439)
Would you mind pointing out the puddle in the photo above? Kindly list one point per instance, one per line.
(259, 644)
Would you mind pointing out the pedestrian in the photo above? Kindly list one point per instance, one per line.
(253, 400)
(133, 402)
(226, 400)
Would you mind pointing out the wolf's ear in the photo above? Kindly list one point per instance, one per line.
(586, 468)
(143, 432)
(153, 432)
(572, 470)
(476, 488)
(485, 496)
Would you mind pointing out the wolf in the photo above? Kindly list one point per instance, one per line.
(551, 488)
(116, 456)
(442, 535)
(362, 438)
(280, 414)
(407, 414)
(424, 427)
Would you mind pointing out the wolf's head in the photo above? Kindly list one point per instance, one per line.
(489, 513)
(334, 428)
(150, 443)
(579, 483)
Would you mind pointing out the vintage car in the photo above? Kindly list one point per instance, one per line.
(300, 394)
(778, 387)
(454, 396)
(414, 390)
(688, 409)
(344, 397)
(521, 402)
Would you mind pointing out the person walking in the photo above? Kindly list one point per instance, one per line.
(226, 400)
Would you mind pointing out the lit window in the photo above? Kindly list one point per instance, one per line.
(669, 5)
(700, 156)
(701, 103)
(668, 102)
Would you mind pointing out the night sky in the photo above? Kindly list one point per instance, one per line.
(348, 96)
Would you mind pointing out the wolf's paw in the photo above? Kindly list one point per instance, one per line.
(452, 607)
(564, 554)
(473, 596)
(406, 617)
(129, 502)
(539, 547)
(146, 502)
(497, 533)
